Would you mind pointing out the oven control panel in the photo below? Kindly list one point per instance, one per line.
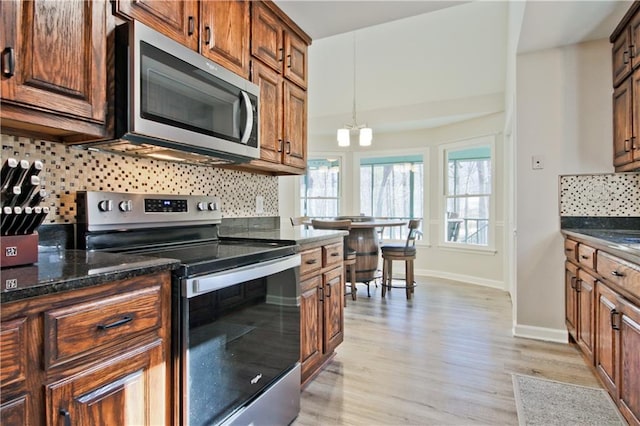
(103, 211)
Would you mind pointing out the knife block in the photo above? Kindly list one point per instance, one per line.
(19, 250)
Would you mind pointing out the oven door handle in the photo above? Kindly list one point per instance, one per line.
(196, 286)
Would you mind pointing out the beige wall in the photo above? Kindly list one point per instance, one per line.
(563, 112)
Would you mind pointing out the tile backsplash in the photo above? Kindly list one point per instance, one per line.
(68, 169)
(610, 195)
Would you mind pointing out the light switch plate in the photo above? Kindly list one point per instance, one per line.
(537, 162)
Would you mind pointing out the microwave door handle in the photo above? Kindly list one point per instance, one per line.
(249, 124)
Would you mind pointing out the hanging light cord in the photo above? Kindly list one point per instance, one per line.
(355, 123)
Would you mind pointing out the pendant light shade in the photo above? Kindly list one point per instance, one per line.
(344, 133)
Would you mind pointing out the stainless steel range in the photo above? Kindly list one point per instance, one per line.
(235, 309)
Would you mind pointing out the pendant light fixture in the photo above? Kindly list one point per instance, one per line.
(365, 133)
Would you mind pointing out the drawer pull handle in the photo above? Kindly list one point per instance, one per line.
(335, 253)
(191, 26)
(311, 261)
(125, 319)
(617, 274)
(67, 416)
(584, 257)
(8, 62)
(568, 249)
(614, 324)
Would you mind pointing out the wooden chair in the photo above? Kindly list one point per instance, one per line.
(406, 253)
(299, 220)
(349, 256)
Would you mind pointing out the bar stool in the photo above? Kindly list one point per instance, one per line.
(349, 255)
(405, 253)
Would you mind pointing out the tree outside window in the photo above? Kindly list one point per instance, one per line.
(468, 192)
(320, 189)
(392, 187)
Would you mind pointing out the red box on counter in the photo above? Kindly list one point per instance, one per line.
(19, 250)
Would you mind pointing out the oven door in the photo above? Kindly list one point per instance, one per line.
(241, 335)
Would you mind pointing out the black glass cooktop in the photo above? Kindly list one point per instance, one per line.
(214, 256)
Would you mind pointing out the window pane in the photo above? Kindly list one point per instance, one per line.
(320, 188)
(468, 195)
(392, 187)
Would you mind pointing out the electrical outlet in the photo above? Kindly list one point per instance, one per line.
(259, 204)
(537, 162)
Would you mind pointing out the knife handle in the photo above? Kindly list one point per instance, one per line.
(9, 166)
(37, 198)
(28, 187)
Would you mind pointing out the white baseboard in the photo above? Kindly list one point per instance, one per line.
(469, 279)
(541, 333)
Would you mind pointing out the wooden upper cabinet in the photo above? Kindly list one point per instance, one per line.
(267, 42)
(224, 33)
(295, 59)
(295, 126)
(626, 123)
(625, 53)
(175, 19)
(271, 112)
(278, 46)
(54, 62)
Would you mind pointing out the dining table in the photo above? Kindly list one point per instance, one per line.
(363, 238)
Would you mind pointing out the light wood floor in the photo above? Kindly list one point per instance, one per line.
(443, 358)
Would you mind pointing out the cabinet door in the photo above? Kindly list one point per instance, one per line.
(175, 19)
(333, 309)
(571, 299)
(295, 59)
(266, 36)
(622, 122)
(629, 383)
(634, 40)
(15, 412)
(607, 342)
(295, 126)
(635, 119)
(59, 57)
(621, 58)
(271, 115)
(310, 324)
(224, 33)
(127, 390)
(586, 287)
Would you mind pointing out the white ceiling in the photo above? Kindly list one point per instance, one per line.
(423, 64)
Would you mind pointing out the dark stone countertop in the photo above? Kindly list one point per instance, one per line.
(59, 270)
(298, 234)
(624, 243)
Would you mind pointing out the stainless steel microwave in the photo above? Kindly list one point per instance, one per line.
(174, 104)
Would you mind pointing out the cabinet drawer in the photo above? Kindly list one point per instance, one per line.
(87, 327)
(311, 261)
(624, 274)
(332, 254)
(571, 249)
(587, 256)
(13, 351)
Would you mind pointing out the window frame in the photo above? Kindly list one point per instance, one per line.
(443, 149)
(341, 184)
(424, 152)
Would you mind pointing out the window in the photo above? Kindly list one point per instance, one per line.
(320, 189)
(468, 194)
(392, 187)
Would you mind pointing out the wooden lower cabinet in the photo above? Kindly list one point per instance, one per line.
(321, 307)
(607, 348)
(93, 356)
(603, 316)
(127, 390)
(629, 379)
